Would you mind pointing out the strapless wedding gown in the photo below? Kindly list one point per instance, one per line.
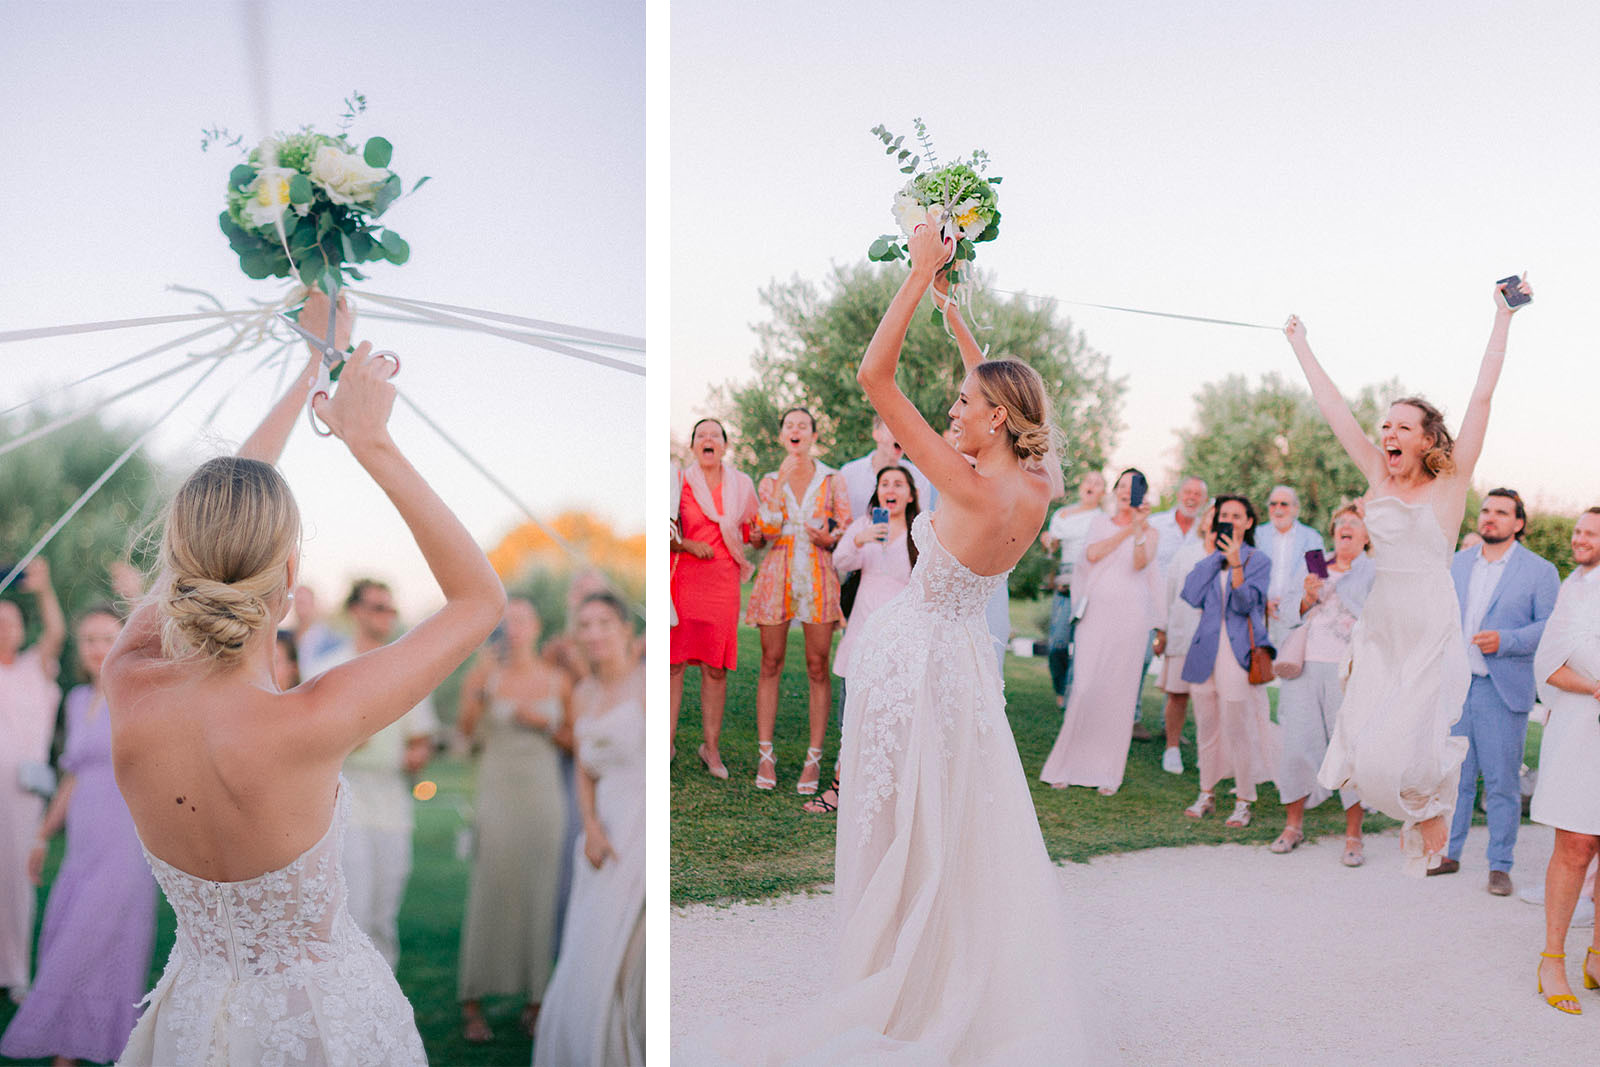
(953, 945)
(1408, 679)
(273, 971)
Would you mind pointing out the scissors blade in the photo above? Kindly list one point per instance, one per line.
(330, 355)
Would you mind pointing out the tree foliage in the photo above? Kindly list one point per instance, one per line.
(1248, 439)
(808, 352)
(40, 480)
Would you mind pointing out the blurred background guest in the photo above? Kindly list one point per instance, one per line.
(1117, 596)
(285, 661)
(512, 702)
(100, 919)
(1285, 540)
(377, 844)
(1179, 526)
(1063, 538)
(716, 503)
(803, 512)
(884, 554)
(594, 1006)
(1232, 718)
(28, 699)
(1308, 701)
(1174, 635)
(861, 475)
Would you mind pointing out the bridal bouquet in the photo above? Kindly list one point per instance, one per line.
(959, 197)
(306, 204)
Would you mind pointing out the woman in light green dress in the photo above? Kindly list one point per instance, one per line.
(512, 704)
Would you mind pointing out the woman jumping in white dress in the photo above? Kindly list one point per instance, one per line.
(1391, 741)
(234, 784)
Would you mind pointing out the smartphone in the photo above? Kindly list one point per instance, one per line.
(1137, 487)
(880, 516)
(1316, 563)
(1515, 297)
(1224, 529)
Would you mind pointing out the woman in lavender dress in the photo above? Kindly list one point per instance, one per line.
(100, 922)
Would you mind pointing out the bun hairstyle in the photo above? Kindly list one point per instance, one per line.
(1439, 459)
(229, 533)
(1017, 387)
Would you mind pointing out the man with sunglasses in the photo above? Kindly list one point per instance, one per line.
(377, 846)
(1285, 540)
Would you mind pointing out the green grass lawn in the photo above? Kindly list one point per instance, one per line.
(731, 841)
(430, 932)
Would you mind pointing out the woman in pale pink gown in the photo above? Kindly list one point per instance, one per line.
(1117, 594)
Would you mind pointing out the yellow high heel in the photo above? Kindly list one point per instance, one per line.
(1589, 981)
(1559, 1001)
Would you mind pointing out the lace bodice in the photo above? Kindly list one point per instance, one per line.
(267, 924)
(943, 584)
(1406, 537)
(273, 971)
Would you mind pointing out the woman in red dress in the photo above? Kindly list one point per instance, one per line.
(715, 504)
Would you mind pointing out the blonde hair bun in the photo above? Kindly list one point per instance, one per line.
(1017, 387)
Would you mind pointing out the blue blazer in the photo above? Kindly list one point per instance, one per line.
(1248, 603)
(1521, 605)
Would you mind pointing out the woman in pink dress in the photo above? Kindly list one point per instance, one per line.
(804, 509)
(1117, 597)
(28, 699)
(100, 922)
(715, 505)
(884, 553)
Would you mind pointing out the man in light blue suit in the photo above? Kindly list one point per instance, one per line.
(1507, 594)
(1285, 540)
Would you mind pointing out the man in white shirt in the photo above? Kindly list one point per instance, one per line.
(1506, 594)
(1063, 537)
(377, 846)
(861, 475)
(1177, 527)
(1286, 541)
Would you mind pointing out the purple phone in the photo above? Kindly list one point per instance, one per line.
(1515, 297)
(1316, 563)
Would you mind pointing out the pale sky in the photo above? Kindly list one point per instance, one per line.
(528, 116)
(1371, 167)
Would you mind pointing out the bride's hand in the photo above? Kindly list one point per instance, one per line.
(1294, 329)
(930, 251)
(358, 412)
(314, 317)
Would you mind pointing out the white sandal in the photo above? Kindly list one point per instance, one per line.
(764, 751)
(1241, 815)
(1204, 804)
(813, 759)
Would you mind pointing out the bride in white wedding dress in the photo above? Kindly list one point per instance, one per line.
(952, 923)
(234, 785)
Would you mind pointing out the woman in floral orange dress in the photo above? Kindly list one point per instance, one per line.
(802, 514)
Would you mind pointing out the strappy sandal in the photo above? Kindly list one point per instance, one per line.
(1204, 805)
(1589, 981)
(1565, 1003)
(765, 755)
(1287, 841)
(1241, 815)
(820, 804)
(1354, 856)
(813, 759)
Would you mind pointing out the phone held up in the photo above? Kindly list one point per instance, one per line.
(880, 516)
(1316, 563)
(1515, 297)
(1137, 488)
(1224, 529)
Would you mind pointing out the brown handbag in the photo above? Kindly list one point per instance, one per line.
(1260, 657)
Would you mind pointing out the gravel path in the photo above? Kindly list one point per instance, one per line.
(1230, 954)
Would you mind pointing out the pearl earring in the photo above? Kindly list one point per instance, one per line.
(991, 431)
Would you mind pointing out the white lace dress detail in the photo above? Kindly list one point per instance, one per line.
(912, 660)
(273, 971)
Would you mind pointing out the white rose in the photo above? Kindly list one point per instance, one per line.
(269, 195)
(908, 213)
(345, 176)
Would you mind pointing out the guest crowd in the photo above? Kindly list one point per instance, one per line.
(1233, 602)
(555, 910)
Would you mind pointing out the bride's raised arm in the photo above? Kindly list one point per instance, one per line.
(1475, 423)
(947, 469)
(1366, 455)
(266, 443)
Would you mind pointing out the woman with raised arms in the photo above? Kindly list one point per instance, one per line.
(1391, 741)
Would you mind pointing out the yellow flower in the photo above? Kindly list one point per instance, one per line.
(268, 197)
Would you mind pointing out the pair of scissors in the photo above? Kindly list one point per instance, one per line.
(328, 372)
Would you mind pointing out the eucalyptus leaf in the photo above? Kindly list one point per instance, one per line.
(395, 247)
(878, 250)
(310, 271)
(425, 179)
(257, 265)
(347, 247)
(387, 194)
(300, 191)
(324, 223)
(378, 152)
(241, 176)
